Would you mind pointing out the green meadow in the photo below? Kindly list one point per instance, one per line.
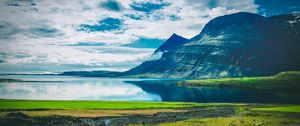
(243, 114)
(85, 104)
(291, 108)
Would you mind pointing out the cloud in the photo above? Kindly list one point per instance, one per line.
(45, 32)
(2, 57)
(18, 3)
(87, 44)
(77, 34)
(155, 56)
(80, 57)
(7, 29)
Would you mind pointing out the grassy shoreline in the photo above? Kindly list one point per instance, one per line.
(284, 81)
(6, 104)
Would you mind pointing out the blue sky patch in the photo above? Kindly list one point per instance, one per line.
(275, 7)
(146, 43)
(174, 17)
(107, 24)
(111, 5)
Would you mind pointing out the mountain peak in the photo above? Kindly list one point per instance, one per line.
(174, 35)
(174, 41)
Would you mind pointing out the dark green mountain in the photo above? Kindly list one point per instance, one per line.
(235, 45)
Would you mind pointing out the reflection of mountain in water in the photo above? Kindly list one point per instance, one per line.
(171, 92)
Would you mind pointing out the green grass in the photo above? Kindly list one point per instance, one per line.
(84, 104)
(285, 81)
(255, 117)
(293, 108)
(69, 104)
(237, 121)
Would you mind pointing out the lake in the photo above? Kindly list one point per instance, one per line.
(51, 87)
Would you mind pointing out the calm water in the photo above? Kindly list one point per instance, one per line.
(91, 88)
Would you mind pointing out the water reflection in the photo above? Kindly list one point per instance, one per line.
(75, 89)
(171, 92)
(82, 88)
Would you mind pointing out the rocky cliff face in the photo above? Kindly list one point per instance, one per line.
(241, 44)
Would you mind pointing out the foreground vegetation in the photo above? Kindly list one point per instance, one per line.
(292, 109)
(285, 81)
(238, 121)
(248, 116)
(77, 104)
(43, 112)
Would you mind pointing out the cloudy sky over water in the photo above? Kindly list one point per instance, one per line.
(65, 35)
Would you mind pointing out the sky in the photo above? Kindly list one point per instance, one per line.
(46, 36)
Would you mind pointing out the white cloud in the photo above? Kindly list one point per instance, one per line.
(100, 56)
(61, 20)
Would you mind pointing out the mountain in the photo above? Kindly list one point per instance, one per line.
(91, 73)
(235, 45)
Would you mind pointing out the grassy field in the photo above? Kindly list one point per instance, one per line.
(243, 114)
(91, 113)
(88, 108)
(285, 81)
(76, 108)
(247, 117)
(93, 105)
(238, 121)
(292, 108)
(69, 104)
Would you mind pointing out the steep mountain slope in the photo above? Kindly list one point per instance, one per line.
(241, 44)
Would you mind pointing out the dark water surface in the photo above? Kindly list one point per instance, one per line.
(91, 88)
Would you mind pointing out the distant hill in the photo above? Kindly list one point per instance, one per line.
(91, 73)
